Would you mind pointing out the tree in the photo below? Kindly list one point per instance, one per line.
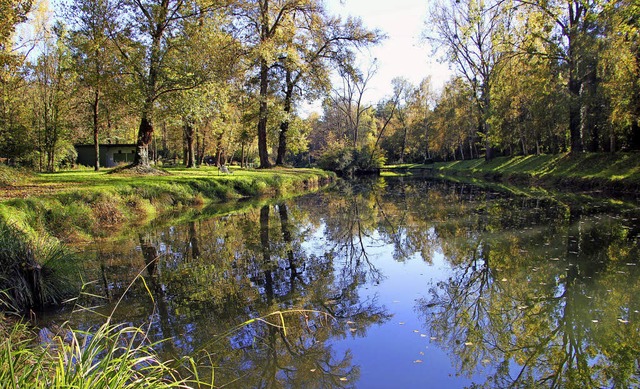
(620, 69)
(51, 100)
(261, 24)
(13, 13)
(349, 100)
(152, 38)
(531, 106)
(14, 142)
(473, 34)
(454, 122)
(94, 57)
(320, 41)
(575, 22)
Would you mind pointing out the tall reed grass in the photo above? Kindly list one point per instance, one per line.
(34, 271)
(113, 356)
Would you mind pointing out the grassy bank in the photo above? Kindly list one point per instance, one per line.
(590, 171)
(83, 204)
(38, 211)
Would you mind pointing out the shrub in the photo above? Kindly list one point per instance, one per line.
(348, 160)
(10, 176)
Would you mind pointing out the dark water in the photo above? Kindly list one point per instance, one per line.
(388, 284)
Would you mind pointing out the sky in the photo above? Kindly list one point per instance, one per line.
(402, 54)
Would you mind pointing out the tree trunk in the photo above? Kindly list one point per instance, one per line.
(427, 152)
(575, 135)
(404, 144)
(243, 161)
(145, 134)
(284, 126)
(263, 152)
(189, 133)
(96, 145)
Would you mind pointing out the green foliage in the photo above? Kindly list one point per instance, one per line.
(350, 160)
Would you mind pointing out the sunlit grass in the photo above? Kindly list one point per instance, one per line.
(596, 168)
(79, 205)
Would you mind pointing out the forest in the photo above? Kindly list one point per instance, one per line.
(225, 82)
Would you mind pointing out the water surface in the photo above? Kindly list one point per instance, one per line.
(388, 283)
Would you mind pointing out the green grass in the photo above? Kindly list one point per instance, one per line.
(79, 205)
(620, 171)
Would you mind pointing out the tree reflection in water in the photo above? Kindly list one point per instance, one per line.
(537, 292)
(528, 313)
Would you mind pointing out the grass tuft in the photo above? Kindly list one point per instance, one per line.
(34, 272)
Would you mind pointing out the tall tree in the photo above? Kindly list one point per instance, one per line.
(473, 35)
(94, 57)
(575, 22)
(319, 42)
(152, 38)
(14, 141)
(51, 85)
(620, 70)
(349, 100)
(261, 24)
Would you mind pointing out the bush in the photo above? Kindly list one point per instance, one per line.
(347, 160)
(11, 176)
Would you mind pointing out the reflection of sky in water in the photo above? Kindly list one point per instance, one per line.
(400, 352)
(529, 245)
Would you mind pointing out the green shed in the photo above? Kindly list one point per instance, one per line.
(110, 154)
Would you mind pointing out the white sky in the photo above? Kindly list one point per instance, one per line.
(402, 54)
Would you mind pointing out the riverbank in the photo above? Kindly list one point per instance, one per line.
(40, 213)
(618, 172)
(79, 205)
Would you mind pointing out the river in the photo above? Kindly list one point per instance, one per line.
(385, 283)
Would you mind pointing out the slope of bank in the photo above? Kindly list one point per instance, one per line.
(83, 204)
(618, 172)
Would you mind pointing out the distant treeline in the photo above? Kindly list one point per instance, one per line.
(224, 81)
